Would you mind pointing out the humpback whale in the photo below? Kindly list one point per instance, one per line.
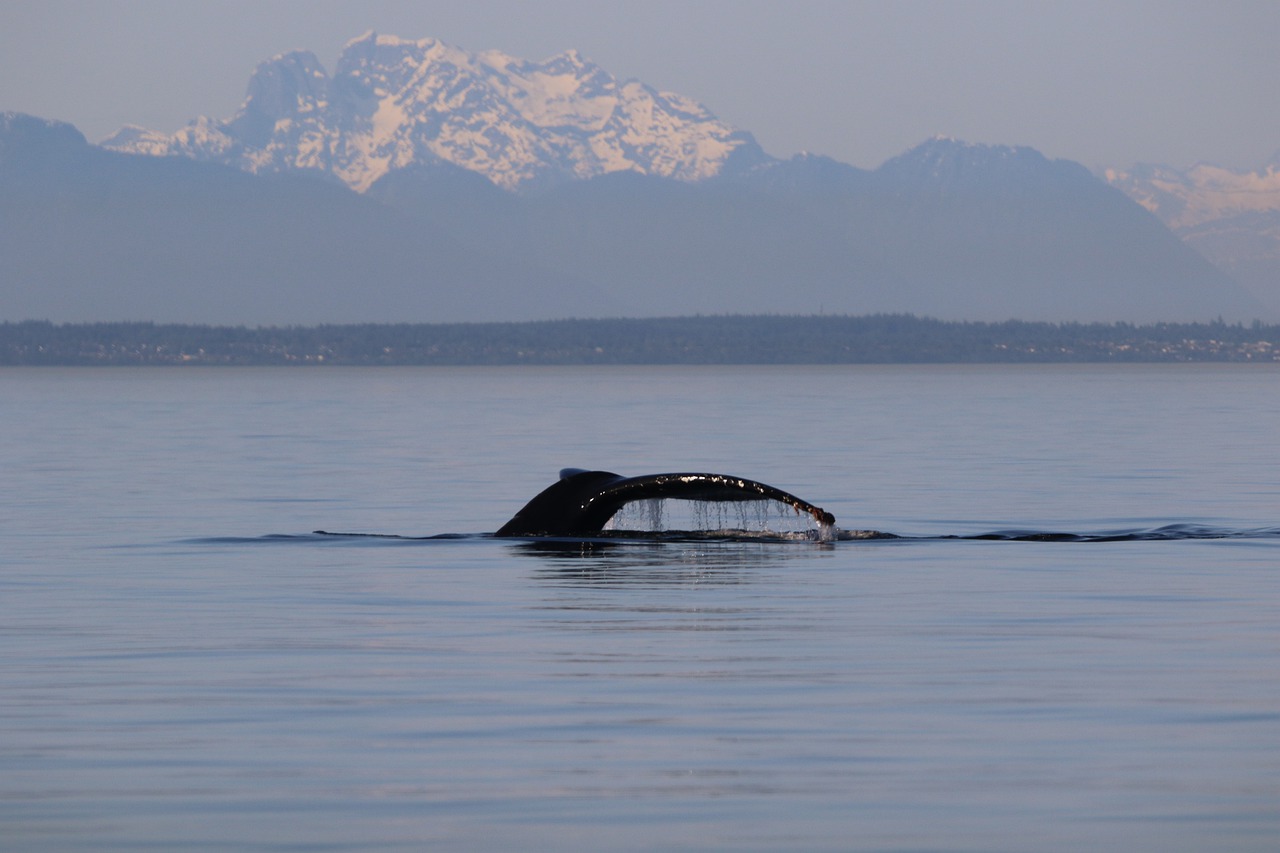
(581, 502)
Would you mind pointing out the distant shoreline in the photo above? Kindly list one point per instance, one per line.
(720, 339)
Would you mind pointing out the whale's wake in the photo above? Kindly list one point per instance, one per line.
(600, 506)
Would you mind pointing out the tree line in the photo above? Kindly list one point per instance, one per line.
(726, 339)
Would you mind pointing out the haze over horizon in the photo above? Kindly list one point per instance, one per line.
(1104, 84)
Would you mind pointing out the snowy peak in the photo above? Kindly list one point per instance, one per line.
(1186, 198)
(393, 103)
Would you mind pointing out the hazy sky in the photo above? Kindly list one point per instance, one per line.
(1104, 82)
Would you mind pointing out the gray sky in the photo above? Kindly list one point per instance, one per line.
(1104, 83)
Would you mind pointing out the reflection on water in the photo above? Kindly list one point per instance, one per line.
(632, 563)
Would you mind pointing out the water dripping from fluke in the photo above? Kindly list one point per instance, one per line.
(592, 503)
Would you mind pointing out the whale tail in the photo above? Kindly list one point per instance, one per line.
(582, 502)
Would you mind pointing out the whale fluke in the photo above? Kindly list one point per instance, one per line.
(582, 502)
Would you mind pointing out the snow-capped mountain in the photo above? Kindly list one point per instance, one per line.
(1185, 198)
(394, 103)
(1230, 217)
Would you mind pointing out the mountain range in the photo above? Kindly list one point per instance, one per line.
(424, 183)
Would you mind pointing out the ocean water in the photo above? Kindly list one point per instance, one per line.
(185, 666)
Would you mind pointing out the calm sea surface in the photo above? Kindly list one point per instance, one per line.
(184, 667)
